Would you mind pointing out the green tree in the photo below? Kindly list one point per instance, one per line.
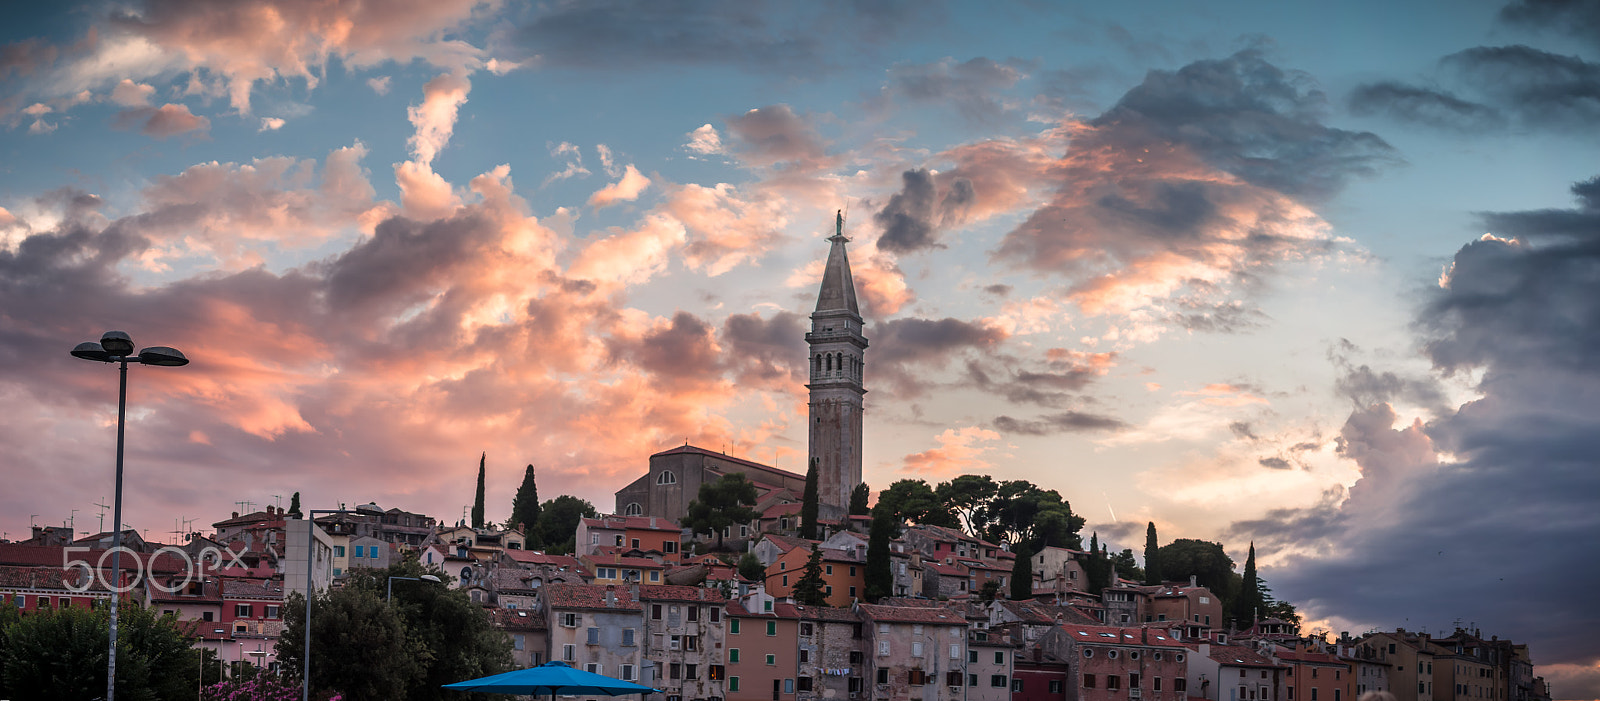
(358, 644)
(914, 501)
(1126, 566)
(1031, 518)
(808, 590)
(477, 502)
(808, 504)
(1152, 555)
(750, 568)
(989, 591)
(558, 522)
(61, 654)
(1097, 568)
(969, 498)
(1022, 576)
(454, 632)
(1207, 562)
(525, 510)
(859, 498)
(294, 506)
(1248, 604)
(880, 574)
(720, 504)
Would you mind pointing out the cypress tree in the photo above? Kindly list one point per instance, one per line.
(1022, 575)
(477, 504)
(808, 504)
(808, 591)
(294, 506)
(1249, 601)
(525, 509)
(858, 500)
(1152, 556)
(879, 574)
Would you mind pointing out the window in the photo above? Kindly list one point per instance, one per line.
(693, 613)
(883, 648)
(569, 652)
(1113, 681)
(806, 629)
(204, 615)
(802, 684)
(1133, 655)
(239, 610)
(1133, 680)
(594, 636)
(677, 642)
(1088, 652)
(1178, 657)
(805, 656)
(733, 626)
(633, 509)
(855, 657)
(999, 657)
(627, 637)
(272, 611)
(1313, 693)
(655, 612)
(916, 629)
(1313, 676)
(972, 656)
(955, 651)
(744, 531)
(338, 551)
(691, 642)
(853, 570)
(916, 649)
(772, 627)
(883, 675)
(972, 680)
(1088, 681)
(1055, 686)
(997, 681)
(733, 654)
(788, 686)
(592, 667)
(1016, 685)
(715, 672)
(733, 683)
(852, 592)
(689, 671)
(916, 677)
(634, 543)
(517, 641)
(855, 685)
(569, 620)
(766, 606)
(666, 477)
(1111, 654)
(675, 671)
(627, 672)
(786, 580)
(772, 660)
(828, 569)
(1155, 683)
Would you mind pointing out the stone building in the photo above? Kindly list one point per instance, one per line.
(684, 640)
(1118, 664)
(596, 628)
(914, 652)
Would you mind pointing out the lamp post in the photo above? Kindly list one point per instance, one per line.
(389, 596)
(117, 347)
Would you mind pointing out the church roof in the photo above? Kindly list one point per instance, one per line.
(697, 450)
(838, 291)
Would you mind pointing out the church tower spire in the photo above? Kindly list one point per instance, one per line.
(837, 366)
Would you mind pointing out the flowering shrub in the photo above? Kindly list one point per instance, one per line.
(262, 688)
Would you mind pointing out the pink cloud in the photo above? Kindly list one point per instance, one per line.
(164, 121)
(959, 451)
(435, 118)
(625, 190)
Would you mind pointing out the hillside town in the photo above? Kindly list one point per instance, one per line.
(715, 577)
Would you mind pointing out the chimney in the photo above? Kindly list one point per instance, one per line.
(1144, 635)
(236, 514)
(1194, 580)
(1205, 649)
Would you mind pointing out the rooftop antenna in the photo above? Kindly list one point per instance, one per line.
(72, 522)
(177, 530)
(278, 498)
(103, 506)
(31, 518)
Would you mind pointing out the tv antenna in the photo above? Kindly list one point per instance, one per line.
(103, 506)
(278, 499)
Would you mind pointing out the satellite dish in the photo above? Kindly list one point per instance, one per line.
(466, 574)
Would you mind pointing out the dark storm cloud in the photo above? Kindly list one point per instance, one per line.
(1064, 422)
(1434, 108)
(1583, 221)
(1364, 386)
(1250, 118)
(1521, 475)
(913, 216)
(1494, 87)
(903, 350)
(768, 350)
(1578, 18)
(682, 351)
(749, 34)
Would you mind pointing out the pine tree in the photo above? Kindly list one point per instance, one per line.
(1152, 556)
(858, 500)
(294, 506)
(525, 509)
(750, 567)
(879, 574)
(1249, 602)
(809, 590)
(477, 504)
(1022, 576)
(808, 505)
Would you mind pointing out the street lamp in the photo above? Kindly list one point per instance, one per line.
(117, 347)
(390, 587)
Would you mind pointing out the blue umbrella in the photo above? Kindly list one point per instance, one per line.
(551, 678)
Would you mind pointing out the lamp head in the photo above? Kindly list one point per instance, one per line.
(430, 578)
(117, 343)
(162, 355)
(91, 351)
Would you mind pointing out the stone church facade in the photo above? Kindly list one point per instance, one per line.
(836, 362)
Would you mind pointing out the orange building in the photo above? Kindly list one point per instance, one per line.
(1314, 676)
(844, 578)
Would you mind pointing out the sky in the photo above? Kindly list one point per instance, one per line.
(1324, 278)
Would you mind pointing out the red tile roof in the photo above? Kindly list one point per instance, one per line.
(1108, 635)
(651, 592)
(637, 523)
(695, 450)
(1308, 657)
(517, 619)
(777, 510)
(1236, 656)
(590, 596)
(529, 557)
(787, 543)
(912, 614)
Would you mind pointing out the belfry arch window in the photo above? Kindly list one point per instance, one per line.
(633, 509)
(666, 477)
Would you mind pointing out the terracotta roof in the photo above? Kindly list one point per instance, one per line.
(912, 614)
(1037, 613)
(204, 630)
(254, 517)
(696, 450)
(252, 588)
(517, 619)
(1308, 657)
(643, 563)
(667, 592)
(777, 510)
(590, 596)
(529, 557)
(1108, 635)
(1236, 656)
(816, 613)
(943, 569)
(787, 543)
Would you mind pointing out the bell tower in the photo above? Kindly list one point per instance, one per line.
(837, 352)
